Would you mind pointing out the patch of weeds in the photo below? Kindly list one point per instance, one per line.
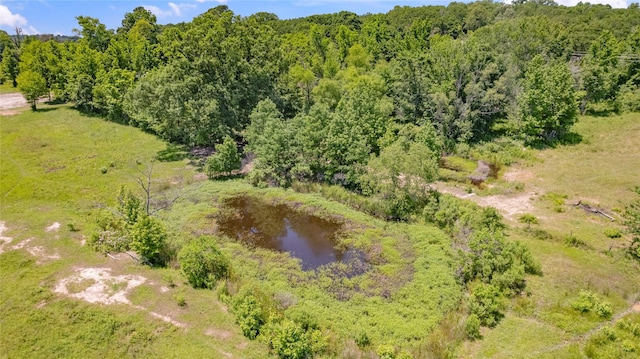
(540, 234)
(72, 227)
(589, 302)
(103, 170)
(556, 200)
(573, 241)
(613, 233)
(180, 299)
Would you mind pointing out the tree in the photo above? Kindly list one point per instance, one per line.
(225, 159)
(202, 263)
(32, 85)
(9, 65)
(547, 104)
(529, 219)
(148, 238)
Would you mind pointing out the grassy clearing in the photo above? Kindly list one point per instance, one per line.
(51, 164)
(599, 171)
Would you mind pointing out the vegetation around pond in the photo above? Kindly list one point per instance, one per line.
(515, 108)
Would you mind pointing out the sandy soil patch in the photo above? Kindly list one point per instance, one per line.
(104, 288)
(518, 174)
(40, 252)
(636, 307)
(168, 319)
(53, 227)
(4, 240)
(12, 100)
(22, 244)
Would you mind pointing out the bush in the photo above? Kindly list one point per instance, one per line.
(589, 302)
(148, 238)
(612, 233)
(472, 327)
(290, 341)
(202, 263)
(485, 303)
(248, 316)
(528, 219)
(386, 351)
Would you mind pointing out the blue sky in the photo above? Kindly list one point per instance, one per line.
(58, 16)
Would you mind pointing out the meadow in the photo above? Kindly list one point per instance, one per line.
(59, 166)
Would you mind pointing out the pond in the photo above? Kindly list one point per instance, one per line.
(277, 227)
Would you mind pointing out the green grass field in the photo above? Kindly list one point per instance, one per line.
(58, 165)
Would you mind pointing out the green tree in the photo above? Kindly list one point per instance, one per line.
(270, 140)
(529, 219)
(32, 85)
(547, 104)
(225, 159)
(94, 33)
(10, 65)
(202, 263)
(148, 237)
(109, 92)
(178, 104)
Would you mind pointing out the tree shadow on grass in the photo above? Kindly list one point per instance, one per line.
(173, 153)
(46, 109)
(569, 139)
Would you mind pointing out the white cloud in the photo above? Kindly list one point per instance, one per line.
(7, 18)
(173, 10)
(218, 1)
(30, 30)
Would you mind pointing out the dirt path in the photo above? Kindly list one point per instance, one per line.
(510, 206)
(11, 101)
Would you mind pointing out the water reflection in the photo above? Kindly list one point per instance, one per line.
(277, 227)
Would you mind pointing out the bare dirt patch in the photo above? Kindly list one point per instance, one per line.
(12, 100)
(636, 307)
(168, 319)
(106, 288)
(4, 240)
(53, 227)
(509, 205)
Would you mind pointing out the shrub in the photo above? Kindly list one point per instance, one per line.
(386, 351)
(103, 170)
(528, 219)
(248, 316)
(485, 303)
(148, 238)
(573, 241)
(612, 233)
(111, 234)
(202, 263)
(290, 341)
(472, 327)
(588, 302)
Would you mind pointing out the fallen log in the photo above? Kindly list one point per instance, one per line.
(594, 210)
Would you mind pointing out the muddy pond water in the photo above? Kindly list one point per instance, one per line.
(277, 227)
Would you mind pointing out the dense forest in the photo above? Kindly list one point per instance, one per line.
(366, 107)
(341, 98)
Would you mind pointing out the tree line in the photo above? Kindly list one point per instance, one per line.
(362, 101)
